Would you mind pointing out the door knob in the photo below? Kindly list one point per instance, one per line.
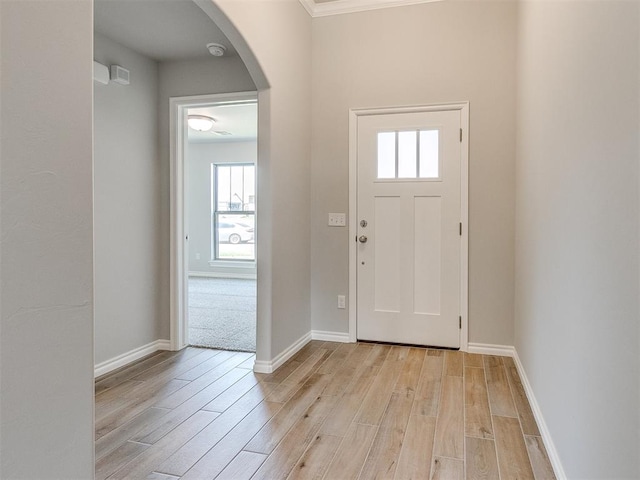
(362, 239)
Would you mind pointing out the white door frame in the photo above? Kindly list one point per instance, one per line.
(178, 253)
(463, 108)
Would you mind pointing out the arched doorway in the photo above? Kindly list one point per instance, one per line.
(147, 307)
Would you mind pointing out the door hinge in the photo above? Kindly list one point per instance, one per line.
(460, 228)
(461, 135)
(460, 322)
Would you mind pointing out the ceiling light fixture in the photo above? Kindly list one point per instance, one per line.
(216, 49)
(200, 123)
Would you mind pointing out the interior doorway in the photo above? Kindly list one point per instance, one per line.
(216, 153)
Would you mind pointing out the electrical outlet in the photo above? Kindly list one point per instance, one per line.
(197, 256)
(337, 219)
(342, 301)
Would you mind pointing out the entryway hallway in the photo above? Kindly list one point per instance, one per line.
(352, 410)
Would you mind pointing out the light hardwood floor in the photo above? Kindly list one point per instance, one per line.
(333, 411)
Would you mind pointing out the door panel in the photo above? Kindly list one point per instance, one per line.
(427, 255)
(408, 269)
(387, 255)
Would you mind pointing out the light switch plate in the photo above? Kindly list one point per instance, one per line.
(337, 219)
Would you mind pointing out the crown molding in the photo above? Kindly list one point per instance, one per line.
(337, 7)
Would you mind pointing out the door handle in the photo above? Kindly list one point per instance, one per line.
(362, 239)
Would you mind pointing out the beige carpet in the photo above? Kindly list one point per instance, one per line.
(222, 313)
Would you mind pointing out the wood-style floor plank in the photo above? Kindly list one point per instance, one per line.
(449, 437)
(315, 460)
(527, 420)
(216, 459)
(122, 455)
(175, 366)
(148, 461)
(415, 456)
(447, 469)
(285, 456)
(156, 430)
(127, 372)
(308, 350)
(105, 397)
(473, 360)
(344, 411)
(120, 435)
(107, 408)
(270, 435)
(337, 358)
(242, 467)
(481, 461)
(382, 460)
(216, 380)
(133, 407)
(513, 458)
(453, 363)
(158, 389)
(378, 396)
(350, 402)
(232, 394)
(352, 452)
(428, 393)
(477, 419)
(500, 399)
(343, 376)
(192, 451)
(285, 390)
(160, 476)
(281, 373)
(540, 463)
(207, 365)
(410, 375)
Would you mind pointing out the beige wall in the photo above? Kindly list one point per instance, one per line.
(46, 274)
(424, 54)
(576, 323)
(127, 205)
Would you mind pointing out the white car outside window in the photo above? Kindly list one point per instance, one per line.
(234, 233)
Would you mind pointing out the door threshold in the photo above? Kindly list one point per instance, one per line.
(413, 345)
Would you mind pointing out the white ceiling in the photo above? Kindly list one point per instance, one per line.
(178, 29)
(240, 120)
(159, 29)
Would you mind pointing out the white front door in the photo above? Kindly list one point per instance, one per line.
(409, 227)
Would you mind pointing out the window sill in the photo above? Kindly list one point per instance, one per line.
(247, 264)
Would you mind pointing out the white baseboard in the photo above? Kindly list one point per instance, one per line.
(129, 357)
(554, 458)
(330, 336)
(488, 349)
(262, 366)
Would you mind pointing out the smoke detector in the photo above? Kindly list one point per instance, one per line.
(216, 49)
